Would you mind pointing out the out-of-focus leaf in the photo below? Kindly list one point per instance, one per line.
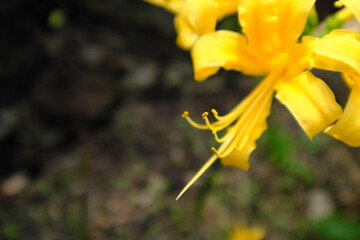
(337, 228)
(281, 147)
(312, 23)
(56, 19)
(230, 23)
(281, 150)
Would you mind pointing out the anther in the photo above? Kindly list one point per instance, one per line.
(214, 151)
(185, 114)
(214, 111)
(214, 132)
(205, 114)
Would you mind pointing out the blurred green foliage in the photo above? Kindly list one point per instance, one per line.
(337, 228)
(230, 23)
(311, 23)
(10, 232)
(128, 190)
(282, 150)
(56, 19)
(206, 188)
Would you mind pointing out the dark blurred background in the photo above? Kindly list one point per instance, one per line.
(93, 145)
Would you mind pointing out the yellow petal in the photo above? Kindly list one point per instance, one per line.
(186, 36)
(201, 15)
(198, 17)
(354, 6)
(244, 232)
(347, 129)
(293, 15)
(300, 57)
(173, 6)
(228, 50)
(352, 80)
(311, 102)
(338, 51)
(239, 159)
(259, 20)
(226, 8)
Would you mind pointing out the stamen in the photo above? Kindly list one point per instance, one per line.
(227, 150)
(239, 138)
(192, 123)
(197, 175)
(252, 114)
(216, 115)
(222, 139)
(252, 119)
(256, 103)
(208, 124)
(214, 151)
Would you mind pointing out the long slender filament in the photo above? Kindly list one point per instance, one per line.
(254, 105)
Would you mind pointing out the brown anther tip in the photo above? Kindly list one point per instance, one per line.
(205, 114)
(185, 114)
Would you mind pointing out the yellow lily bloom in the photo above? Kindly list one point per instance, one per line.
(340, 51)
(195, 18)
(268, 45)
(247, 233)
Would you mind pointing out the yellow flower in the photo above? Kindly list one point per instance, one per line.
(268, 45)
(340, 51)
(195, 18)
(247, 233)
